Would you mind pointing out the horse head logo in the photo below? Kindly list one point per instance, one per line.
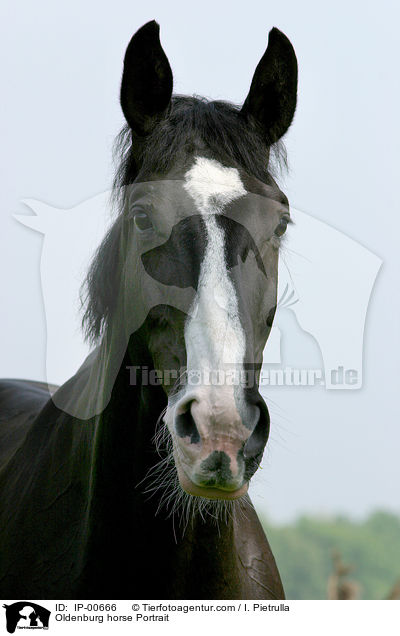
(325, 283)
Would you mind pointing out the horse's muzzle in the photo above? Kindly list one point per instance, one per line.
(218, 441)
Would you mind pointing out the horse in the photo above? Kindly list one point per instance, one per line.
(130, 481)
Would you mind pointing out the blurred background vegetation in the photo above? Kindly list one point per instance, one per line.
(314, 554)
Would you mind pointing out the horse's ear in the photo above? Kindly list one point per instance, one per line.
(273, 92)
(146, 86)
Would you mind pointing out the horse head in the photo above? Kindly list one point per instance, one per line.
(200, 226)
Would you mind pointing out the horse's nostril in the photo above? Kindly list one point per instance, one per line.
(185, 425)
(257, 440)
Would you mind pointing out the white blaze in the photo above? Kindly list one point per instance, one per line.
(214, 335)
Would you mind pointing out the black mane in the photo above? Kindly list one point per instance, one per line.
(192, 124)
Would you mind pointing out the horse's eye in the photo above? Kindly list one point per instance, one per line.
(142, 221)
(281, 228)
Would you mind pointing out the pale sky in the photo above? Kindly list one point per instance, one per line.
(330, 451)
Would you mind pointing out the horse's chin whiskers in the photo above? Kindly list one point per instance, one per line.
(161, 436)
(162, 479)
